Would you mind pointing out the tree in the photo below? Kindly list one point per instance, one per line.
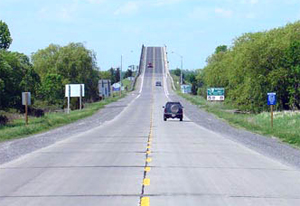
(222, 48)
(72, 63)
(128, 73)
(5, 38)
(105, 75)
(16, 76)
(258, 63)
(52, 89)
(176, 72)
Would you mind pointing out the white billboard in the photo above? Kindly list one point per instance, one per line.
(75, 90)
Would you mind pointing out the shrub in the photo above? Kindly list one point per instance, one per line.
(3, 119)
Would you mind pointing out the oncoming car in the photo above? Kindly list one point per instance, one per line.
(173, 110)
(150, 65)
(158, 84)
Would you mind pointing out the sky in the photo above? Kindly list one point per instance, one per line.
(111, 28)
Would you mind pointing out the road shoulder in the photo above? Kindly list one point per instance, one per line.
(271, 147)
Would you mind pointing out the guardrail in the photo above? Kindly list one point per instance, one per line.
(141, 64)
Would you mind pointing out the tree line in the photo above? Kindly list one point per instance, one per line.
(257, 63)
(46, 72)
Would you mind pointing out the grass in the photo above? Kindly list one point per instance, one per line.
(17, 127)
(286, 124)
(126, 83)
(176, 80)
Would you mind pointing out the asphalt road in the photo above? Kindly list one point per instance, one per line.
(137, 158)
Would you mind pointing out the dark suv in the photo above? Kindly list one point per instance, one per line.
(173, 110)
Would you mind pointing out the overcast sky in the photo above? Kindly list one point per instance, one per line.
(192, 28)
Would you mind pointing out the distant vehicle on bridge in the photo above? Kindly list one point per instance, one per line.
(158, 83)
(150, 65)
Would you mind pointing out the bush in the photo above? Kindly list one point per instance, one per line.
(3, 119)
(37, 112)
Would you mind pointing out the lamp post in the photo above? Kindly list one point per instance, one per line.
(181, 68)
(121, 74)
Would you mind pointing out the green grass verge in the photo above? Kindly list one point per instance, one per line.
(17, 128)
(126, 83)
(176, 80)
(286, 124)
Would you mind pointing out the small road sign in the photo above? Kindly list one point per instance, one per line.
(215, 94)
(26, 97)
(272, 100)
(26, 100)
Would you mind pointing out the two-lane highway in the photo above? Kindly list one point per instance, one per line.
(139, 159)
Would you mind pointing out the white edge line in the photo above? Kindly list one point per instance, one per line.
(144, 69)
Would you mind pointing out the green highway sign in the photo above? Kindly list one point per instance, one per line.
(215, 94)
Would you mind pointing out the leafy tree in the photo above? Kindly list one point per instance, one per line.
(16, 76)
(52, 89)
(72, 63)
(176, 72)
(115, 75)
(128, 73)
(258, 63)
(105, 75)
(5, 38)
(222, 48)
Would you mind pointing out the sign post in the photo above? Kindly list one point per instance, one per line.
(26, 100)
(26, 108)
(271, 101)
(80, 98)
(69, 96)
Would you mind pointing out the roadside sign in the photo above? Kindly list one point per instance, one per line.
(215, 94)
(24, 98)
(76, 90)
(272, 100)
(186, 89)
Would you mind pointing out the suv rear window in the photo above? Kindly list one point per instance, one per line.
(170, 104)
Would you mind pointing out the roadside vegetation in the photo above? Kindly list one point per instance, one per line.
(286, 123)
(17, 128)
(44, 74)
(255, 64)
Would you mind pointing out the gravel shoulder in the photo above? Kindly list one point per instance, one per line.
(271, 147)
(13, 149)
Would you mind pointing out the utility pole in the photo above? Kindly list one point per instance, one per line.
(181, 67)
(121, 75)
(181, 81)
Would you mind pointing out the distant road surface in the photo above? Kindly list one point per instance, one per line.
(139, 159)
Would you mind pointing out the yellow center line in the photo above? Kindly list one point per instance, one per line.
(148, 159)
(147, 169)
(145, 201)
(146, 182)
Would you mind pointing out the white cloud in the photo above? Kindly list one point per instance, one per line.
(95, 1)
(250, 16)
(127, 8)
(60, 13)
(251, 2)
(200, 13)
(166, 2)
(224, 13)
